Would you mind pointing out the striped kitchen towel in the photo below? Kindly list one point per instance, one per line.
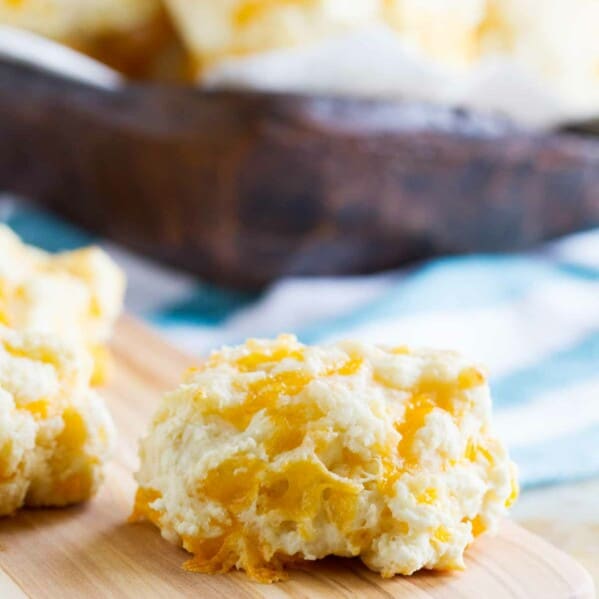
(533, 319)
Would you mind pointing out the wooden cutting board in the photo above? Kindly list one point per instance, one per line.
(91, 551)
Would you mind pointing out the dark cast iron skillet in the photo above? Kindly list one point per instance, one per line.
(242, 188)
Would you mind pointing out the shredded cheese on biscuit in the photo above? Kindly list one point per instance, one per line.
(55, 432)
(75, 295)
(274, 452)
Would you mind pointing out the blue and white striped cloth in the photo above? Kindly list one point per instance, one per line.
(532, 319)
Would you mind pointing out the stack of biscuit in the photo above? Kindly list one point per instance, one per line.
(57, 313)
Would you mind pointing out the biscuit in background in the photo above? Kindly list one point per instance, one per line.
(75, 295)
(55, 431)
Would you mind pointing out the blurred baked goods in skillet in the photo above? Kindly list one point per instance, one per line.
(402, 48)
(478, 53)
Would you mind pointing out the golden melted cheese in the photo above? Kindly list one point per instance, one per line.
(274, 452)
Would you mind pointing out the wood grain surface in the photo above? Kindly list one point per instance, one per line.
(566, 515)
(90, 551)
(243, 188)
